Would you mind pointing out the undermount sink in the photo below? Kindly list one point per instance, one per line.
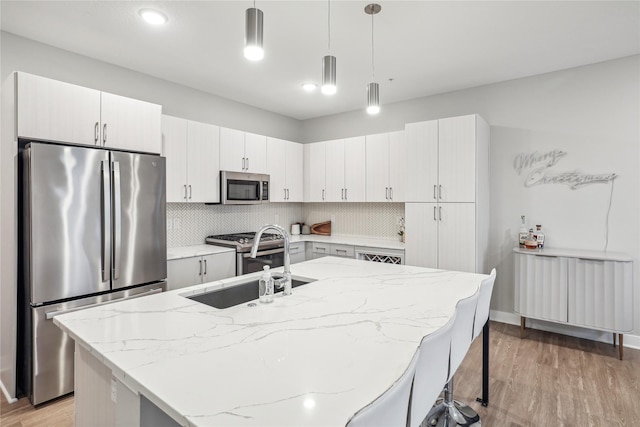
(234, 295)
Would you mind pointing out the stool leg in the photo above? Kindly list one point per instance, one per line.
(614, 339)
(523, 321)
(620, 345)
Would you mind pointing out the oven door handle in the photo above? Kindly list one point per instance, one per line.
(262, 253)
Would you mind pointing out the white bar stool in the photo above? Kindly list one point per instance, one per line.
(432, 372)
(446, 413)
(390, 409)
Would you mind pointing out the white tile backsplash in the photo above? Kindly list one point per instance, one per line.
(190, 223)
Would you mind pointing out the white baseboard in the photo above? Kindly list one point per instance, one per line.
(630, 341)
(6, 394)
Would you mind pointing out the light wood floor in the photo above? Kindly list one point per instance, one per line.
(543, 380)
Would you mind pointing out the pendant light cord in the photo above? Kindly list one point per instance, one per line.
(373, 70)
(329, 24)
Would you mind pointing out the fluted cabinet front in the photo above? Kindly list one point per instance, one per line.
(601, 294)
(541, 287)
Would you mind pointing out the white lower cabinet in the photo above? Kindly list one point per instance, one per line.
(297, 252)
(442, 235)
(319, 250)
(190, 271)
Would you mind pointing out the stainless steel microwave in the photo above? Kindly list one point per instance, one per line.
(239, 188)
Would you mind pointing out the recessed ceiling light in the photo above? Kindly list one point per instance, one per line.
(309, 87)
(153, 17)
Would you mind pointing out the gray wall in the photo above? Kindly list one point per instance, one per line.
(592, 113)
(20, 54)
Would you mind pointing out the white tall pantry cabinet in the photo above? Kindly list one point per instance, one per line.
(447, 194)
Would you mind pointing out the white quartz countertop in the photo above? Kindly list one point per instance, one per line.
(195, 250)
(349, 240)
(310, 359)
(576, 253)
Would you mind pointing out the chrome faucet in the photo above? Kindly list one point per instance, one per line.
(285, 281)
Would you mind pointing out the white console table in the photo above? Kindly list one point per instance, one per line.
(591, 289)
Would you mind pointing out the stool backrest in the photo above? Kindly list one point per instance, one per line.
(392, 407)
(432, 372)
(484, 303)
(462, 334)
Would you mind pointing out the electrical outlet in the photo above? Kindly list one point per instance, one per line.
(176, 224)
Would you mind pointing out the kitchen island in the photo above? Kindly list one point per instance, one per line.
(313, 358)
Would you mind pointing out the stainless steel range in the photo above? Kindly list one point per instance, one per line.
(270, 250)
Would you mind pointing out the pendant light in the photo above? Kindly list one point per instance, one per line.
(253, 50)
(373, 89)
(329, 63)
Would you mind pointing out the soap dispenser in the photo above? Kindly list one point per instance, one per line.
(265, 286)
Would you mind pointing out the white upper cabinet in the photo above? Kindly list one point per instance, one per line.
(314, 172)
(345, 170)
(242, 151)
(442, 164)
(193, 169)
(422, 161)
(284, 162)
(58, 111)
(385, 167)
(457, 159)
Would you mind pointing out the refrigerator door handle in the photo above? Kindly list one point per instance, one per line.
(117, 220)
(106, 222)
(50, 315)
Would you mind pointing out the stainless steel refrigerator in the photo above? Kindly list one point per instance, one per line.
(94, 231)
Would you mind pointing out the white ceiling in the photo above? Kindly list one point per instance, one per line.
(425, 47)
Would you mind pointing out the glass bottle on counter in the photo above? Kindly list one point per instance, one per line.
(530, 242)
(539, 236)
(265, 286)
(523, 233)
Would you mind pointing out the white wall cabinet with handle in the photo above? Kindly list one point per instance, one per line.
(385, 167)
(345, 170)
(447, 194)
(284, 164)
(242, 151)
(190, 271)
(193, 171)
(58, 111)
(314, 172)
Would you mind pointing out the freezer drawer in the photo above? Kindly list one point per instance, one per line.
(53, 350)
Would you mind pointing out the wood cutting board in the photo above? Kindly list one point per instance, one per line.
(322, 228)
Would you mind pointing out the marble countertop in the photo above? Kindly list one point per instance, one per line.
(195, 250)
(313, 358)
(349, 240)
(576, 253)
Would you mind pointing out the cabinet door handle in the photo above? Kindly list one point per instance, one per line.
(243, 163)
(190, 192)
(342, 193)
(434, 192)
(323, 194)
(200, 273)
(440, 213)
(104, 134)
(434, 214)
(386, 193)
(287, 194)
(96, 133)
(440, 192)
(345, 193)
(247, 163)
(391, 193)
(185, 192)
(205, 267)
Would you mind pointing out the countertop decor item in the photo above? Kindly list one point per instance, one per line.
(305, 229)
(322, 228)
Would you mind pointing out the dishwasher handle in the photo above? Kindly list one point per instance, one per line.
(51, 314)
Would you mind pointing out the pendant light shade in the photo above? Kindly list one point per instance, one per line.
(373, 98)
(253, 35)
(329, 75)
